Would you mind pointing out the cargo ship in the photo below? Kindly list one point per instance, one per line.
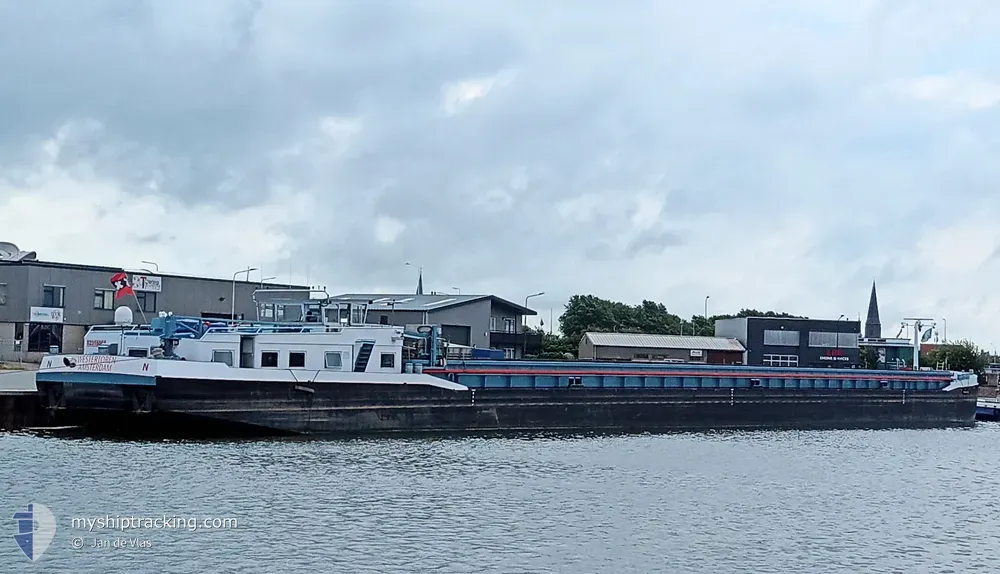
(332, 373)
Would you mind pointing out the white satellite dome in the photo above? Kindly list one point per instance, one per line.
(123, 316)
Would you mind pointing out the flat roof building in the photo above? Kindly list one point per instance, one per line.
(45, 304)
(794, 342)
(668, 348)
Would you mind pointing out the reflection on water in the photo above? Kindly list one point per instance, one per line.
(828, 501)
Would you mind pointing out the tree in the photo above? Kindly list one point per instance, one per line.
(869, 358)
(589, 313)
(557, 347)
(958, 356)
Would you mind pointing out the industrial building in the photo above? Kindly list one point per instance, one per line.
(795, 342)
(47, 305)
(477, 321)
(666, 348)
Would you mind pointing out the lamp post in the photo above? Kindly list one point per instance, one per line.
(232, 301)
(945, 334)
(524, 341)
(155, 266)
(459, 291)
(837, 334)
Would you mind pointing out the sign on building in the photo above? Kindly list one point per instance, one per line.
(147, 283)
(45, 315)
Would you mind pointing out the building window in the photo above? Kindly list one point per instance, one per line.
(828, 339)
(3, 294)
(781, 338)
(781, 361)
(104, 299)
(296, 360)
(41, 336)
(147, 301)
(53, 296)
(334, 360)
(269, 359)
(508, 353)
(225, 357)
(508, 324)
(493, 323)
(847, 340)
(388, 360)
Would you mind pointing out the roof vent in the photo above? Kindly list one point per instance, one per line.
(10, 252)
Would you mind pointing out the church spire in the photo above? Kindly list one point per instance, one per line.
(420, 282)
(873, 327)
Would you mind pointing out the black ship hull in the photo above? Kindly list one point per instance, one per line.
(237, 408)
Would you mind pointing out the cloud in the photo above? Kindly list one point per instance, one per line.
(769, 154)
(959, 90)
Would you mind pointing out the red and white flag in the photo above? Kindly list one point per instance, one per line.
(122, 288)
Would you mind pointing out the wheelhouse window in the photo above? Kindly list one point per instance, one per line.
(334, 360)
(138, 352)
(225, 357)
(388, 360)
(296, 360)
(269, 359)
(53, 296)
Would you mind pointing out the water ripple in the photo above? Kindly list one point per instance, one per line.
(851, 501)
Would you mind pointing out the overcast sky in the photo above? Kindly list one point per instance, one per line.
(776, 154)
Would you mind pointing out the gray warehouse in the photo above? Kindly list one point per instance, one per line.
(45, 304)
(481, 321)
(666, 348)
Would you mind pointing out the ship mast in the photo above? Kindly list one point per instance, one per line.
(918, 324)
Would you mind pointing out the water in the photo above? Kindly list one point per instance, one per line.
(831, 501)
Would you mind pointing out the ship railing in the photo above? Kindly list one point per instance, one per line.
(276, 328)
(298, 327)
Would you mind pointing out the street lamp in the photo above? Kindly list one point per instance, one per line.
(155, 266)
(945, 334)
(706, 306)
(837, 334)
(232, 301)
(458, 290)
(524, 319)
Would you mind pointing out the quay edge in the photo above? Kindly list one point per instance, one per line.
(20, 404)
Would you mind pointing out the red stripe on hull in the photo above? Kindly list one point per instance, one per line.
(678, 374)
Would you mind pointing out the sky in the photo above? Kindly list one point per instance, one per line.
(771, 154)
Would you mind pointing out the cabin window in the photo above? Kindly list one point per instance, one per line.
(334, 360)
(269, 359)
(383, 320)
(225, 357)
(388, 360)
(296, 360)
(136, 352)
